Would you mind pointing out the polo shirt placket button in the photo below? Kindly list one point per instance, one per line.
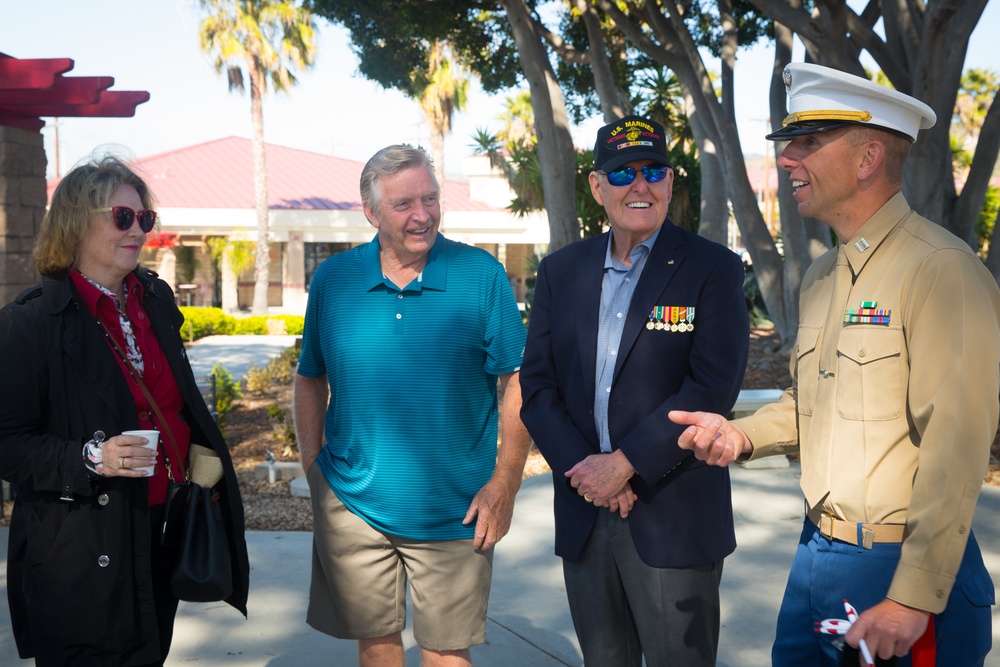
(104, 561)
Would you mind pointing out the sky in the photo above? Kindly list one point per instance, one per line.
(152, 45)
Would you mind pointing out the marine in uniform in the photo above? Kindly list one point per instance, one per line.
(894, 402)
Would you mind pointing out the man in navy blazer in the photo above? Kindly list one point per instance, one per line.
(625, 327)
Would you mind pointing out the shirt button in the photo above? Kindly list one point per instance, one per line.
(103, 499)
(961, 530)
(399, 296)
(618, 315)
(862, 352)
(399, 316)
(103, 561)
(608, 390)
(142, 315)
(143, 415)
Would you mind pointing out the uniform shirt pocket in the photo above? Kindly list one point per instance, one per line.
(806, 368)
(871, 378)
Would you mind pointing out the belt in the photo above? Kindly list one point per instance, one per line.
(833, 528)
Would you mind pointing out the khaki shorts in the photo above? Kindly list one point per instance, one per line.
(359, 577)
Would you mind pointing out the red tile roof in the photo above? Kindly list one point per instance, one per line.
(219, 174)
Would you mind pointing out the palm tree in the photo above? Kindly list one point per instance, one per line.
(519, 119)
(446, 91)
(514, 152)
(661, 97)
(232, 257)
(268, 37)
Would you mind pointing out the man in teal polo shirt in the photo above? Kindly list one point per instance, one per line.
(405, 338)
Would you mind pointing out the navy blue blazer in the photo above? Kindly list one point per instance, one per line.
(684, 516)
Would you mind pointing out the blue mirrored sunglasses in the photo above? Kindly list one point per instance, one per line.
(653, 173)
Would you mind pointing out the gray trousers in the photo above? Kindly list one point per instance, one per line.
(624, 610)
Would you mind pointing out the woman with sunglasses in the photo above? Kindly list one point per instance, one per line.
(88, 578)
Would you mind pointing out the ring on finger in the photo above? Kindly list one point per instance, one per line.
(121, 461)
(588, 498)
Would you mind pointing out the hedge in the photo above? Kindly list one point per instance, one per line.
(201, 322)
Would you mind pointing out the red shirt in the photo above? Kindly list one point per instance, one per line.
(156, 376)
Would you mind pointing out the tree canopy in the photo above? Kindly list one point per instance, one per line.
(589, 56)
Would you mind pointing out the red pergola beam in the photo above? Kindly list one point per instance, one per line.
(65, 90)
(113, 104)
(32, 73)
(36, 87)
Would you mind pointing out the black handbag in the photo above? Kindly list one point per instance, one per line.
(192, 516)
(174, 511)
(204, 570)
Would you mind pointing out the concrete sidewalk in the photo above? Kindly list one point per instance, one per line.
(529, 623)
(236, 353)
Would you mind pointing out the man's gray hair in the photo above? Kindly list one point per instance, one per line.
(387, 162)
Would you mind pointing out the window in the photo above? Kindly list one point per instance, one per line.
(317, 253)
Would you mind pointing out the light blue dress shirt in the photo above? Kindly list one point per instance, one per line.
(617, 289)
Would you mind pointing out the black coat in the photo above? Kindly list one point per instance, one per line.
(78, 559)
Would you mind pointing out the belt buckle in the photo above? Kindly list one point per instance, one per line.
(826, 525)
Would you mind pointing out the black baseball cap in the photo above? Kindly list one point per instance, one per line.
(628, 139)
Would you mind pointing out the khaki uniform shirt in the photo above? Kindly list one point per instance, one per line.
(895, 425)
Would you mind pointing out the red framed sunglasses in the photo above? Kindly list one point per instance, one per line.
(125, 216)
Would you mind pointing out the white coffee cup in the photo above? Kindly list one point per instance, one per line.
(152, 442)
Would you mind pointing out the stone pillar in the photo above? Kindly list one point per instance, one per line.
(22, 204)
(293, 288)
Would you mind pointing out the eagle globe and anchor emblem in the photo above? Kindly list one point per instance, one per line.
(633, 133)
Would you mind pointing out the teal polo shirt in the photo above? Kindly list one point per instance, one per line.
(411, 430)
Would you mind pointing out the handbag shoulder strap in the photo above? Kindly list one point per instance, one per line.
(152, 404)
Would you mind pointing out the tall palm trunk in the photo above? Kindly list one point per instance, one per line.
(262, 265)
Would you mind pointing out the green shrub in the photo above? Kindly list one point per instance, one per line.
(754, 299)
(279, 371)
(255, 325)
(284, 429)
(258, 379)
(261, 325)
(294, 324)
(227, 390)
(285, 364)
(201, 322)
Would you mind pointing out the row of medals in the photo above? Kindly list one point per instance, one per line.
(658, 318)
